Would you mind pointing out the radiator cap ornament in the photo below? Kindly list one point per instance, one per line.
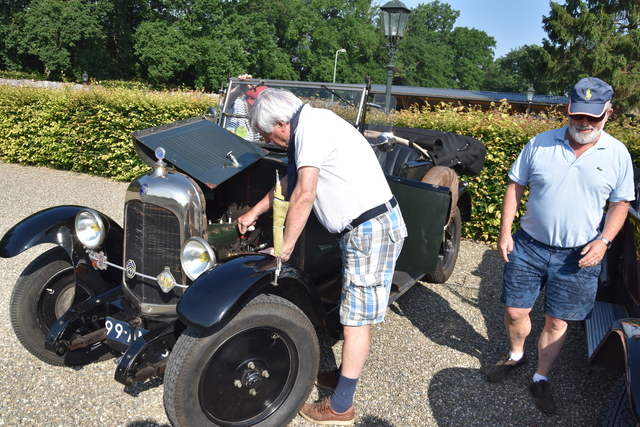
(160, 167)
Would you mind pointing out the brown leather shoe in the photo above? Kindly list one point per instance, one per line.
(327, 380)
(321, 413)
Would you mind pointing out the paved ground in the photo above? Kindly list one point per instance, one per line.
(424, 369)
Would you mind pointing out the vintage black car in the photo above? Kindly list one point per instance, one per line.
(613, 328)
(177, 290)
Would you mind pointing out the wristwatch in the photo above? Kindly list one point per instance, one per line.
(605, 240)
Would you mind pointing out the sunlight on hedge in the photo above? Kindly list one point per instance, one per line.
(89, 131)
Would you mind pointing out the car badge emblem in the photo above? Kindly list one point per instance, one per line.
(144, 189)
(130, 269)
(166, 280)
(99, 261)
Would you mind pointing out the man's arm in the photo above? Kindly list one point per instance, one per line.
(237, 91)
(614, 220)
(248, 219)
(510, 204)
(301, 203)
(261, 207)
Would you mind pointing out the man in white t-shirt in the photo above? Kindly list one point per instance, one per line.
(333, 170)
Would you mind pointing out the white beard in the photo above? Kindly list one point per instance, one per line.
(582, 138)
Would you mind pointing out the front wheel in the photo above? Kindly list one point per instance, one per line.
(45, 290)
(449, 249)
(256, 371)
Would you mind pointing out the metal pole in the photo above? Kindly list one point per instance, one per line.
(390, 67)
(335, 63)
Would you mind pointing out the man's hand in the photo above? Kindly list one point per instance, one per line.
(505, 246)
(593, 253)
(246, 221)
(243, 87)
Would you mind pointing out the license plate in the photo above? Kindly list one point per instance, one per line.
(118, 330)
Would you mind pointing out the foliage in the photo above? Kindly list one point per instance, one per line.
(87, 131)
(199, 44)
(20, 75)
(599, 38)
(52, 31)
(435, 54)
(517, 70)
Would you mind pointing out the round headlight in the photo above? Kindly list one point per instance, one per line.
(90, 228)
(197, 257)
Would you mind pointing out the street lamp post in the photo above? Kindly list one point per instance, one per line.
(394, 18)
(530, 92)
(335, 63)
(85, 77)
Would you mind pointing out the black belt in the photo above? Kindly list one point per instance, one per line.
(370, 214)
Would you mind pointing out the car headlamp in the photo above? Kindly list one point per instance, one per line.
(197, 256)
(90, 228)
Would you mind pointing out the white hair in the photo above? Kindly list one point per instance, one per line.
(273, 105)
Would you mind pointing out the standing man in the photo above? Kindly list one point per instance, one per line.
(241, 99)
(333, 170)
(572, 172)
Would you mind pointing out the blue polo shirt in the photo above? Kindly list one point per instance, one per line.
(568, 194)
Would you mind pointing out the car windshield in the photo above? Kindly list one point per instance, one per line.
(345, 100)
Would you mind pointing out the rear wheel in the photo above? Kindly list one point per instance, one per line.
(617, 410)
(256, 371)
(449, 249)
(45, 290)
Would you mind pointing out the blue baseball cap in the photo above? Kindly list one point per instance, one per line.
(590, 96)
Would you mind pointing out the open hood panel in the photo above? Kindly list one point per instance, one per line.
(199, 148)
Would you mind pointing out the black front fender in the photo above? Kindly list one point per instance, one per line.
(223, 291)
(54, 225)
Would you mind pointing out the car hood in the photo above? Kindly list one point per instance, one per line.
(199, 148)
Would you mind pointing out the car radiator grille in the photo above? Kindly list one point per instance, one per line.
(153, 243)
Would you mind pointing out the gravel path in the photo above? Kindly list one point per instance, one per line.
(424, 369)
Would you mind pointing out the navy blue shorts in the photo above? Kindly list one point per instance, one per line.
(570, 290)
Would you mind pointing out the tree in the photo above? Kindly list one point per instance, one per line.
(599, 38)
(64, 36)
(435, 54)
(519, 69)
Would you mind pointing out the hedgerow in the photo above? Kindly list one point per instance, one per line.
(89, 131)
(86, 131)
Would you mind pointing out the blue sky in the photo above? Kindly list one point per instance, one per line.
(512, 23)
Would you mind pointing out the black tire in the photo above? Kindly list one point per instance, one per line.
(617, 410)
(270, 347)
(45, 291)
(449, 250)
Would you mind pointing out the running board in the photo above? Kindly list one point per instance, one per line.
(599, 323)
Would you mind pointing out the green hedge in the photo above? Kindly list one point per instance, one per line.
(504, 134)
(89, 131)
(86, 131)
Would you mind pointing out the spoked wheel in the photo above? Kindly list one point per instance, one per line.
(45, 290)
(449, 250)
(256, 371)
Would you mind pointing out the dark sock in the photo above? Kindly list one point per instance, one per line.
(342, 397)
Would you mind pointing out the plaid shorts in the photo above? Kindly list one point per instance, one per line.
(369, 254)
